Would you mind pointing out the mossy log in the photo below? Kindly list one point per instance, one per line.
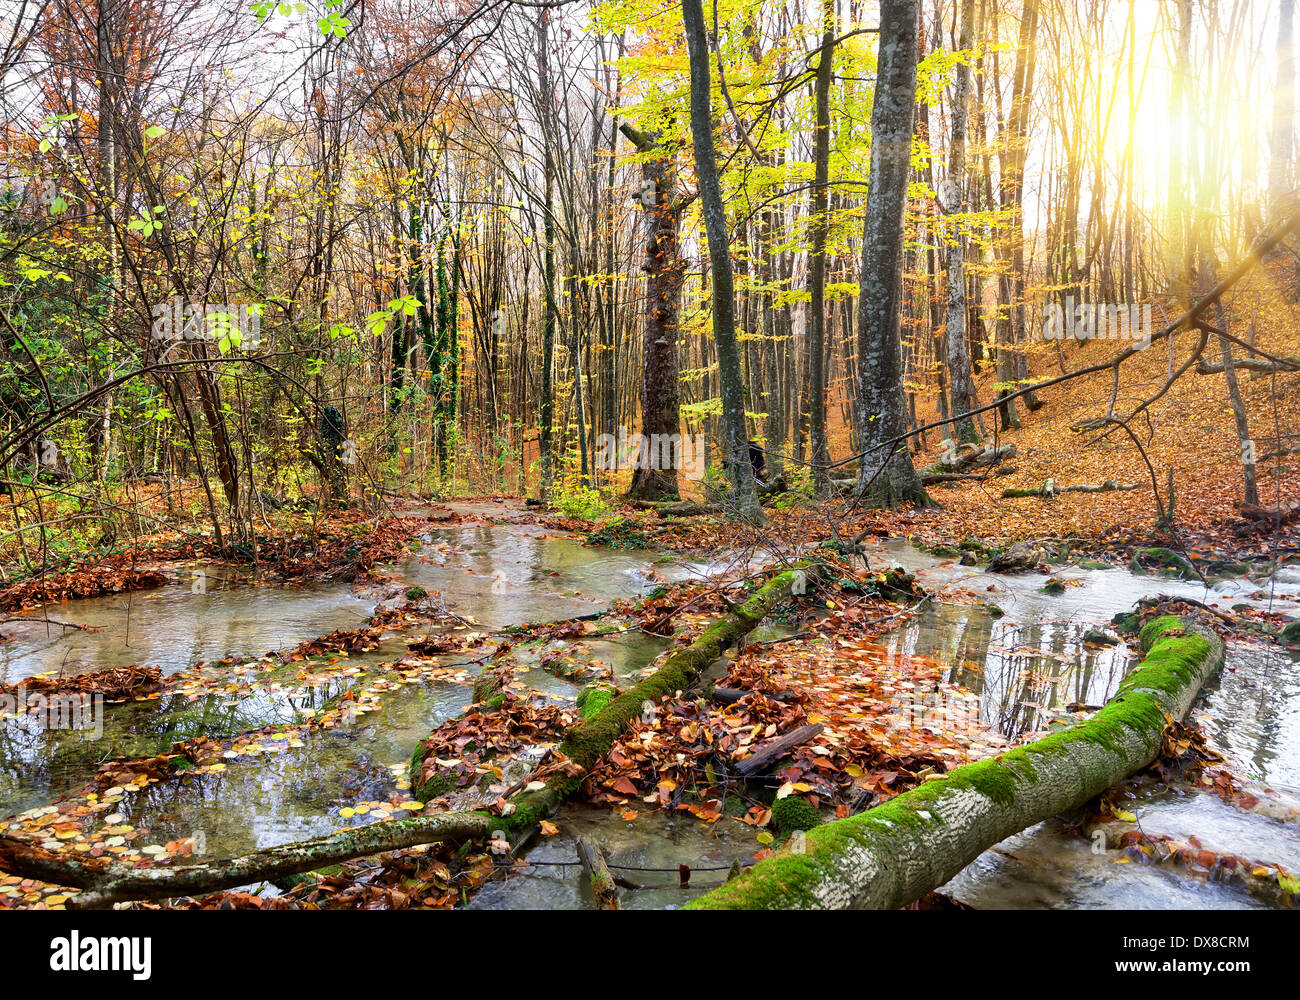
(1050, 490)
(104, 883)
(888, 856)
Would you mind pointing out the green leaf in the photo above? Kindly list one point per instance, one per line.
(154, 131)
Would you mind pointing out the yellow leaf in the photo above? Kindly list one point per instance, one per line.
(1126, 816)
(549, 829)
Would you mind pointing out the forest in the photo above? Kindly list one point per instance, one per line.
(598, 454)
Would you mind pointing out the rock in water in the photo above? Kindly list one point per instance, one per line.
(1021, 556)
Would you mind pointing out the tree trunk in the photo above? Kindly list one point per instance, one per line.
(106, 883)
(734, 438)
(1282, 138)
(959, 372)
(819, 452)
(547, 410)
(882, 410)
(660, 391)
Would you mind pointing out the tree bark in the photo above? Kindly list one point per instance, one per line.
(959, 370)
(882, 410)
(819, 452)
(731, 386)
(660, 391)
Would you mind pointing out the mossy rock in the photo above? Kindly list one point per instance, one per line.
(416, 594)
(1291, 633)
(1093, 564)
(620, 533)
(439, 784)
(1168, 560)
(1052, 586)
(1099, 638)
(793, 813)
(1127, 622)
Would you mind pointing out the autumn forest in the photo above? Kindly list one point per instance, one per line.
(597, 454)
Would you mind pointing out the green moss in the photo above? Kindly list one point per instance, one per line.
(1162, 558)
(416, 594)
(440, 784)
(1291, 632)
(620, 533)
(1053, 586)
(793, 813)
(591, 700)
(1127, 622)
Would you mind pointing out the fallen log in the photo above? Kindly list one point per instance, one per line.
(1049, 489)
(1288, 510)
(1259, 365)
(934, 478)
(729, 696)
(967, 457)
(886, 857)
(769, 753)
(104, 882)
(687, 508)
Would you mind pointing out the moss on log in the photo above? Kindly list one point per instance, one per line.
(889, 856)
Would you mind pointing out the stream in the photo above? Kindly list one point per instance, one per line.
(1026, 665)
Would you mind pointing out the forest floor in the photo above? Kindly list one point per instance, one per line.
(829, 669)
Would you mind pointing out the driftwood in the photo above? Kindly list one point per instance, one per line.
(771, 752)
